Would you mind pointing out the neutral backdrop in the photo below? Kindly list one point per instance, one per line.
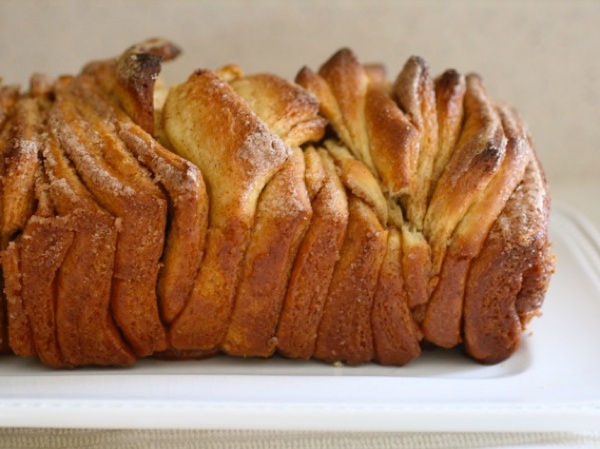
(541, 56)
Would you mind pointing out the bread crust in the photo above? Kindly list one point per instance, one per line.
(122, 188)
(86, 331)
(283, 215)
(344, 333)
(238, 156)
(499, 301)
(311, 274)
(184, 186)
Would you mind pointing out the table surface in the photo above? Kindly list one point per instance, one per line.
(540, 56)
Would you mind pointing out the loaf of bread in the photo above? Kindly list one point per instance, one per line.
(342, 217)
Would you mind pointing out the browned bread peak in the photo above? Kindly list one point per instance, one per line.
(342, 216)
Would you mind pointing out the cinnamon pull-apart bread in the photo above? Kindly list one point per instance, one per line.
(342, 216)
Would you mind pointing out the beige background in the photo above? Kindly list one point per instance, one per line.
(541, 56)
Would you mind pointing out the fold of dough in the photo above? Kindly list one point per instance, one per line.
(184, 185)
(516, 256)
(210, 125)
(345, 333)
(288, 110)
(442, 323)
(396, 336)
(86, 331)
(314, 264)
(20, 165)
(414, 92)
(282, 217)
(124, 189)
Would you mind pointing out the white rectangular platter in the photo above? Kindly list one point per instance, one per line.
(551, 384)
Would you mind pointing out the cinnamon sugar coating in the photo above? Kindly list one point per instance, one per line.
(342, 216)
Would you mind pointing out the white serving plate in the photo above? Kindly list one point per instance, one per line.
(551, 384)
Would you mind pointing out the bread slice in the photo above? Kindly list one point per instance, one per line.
(210, 125)
(396, 336)
(319, 251)
(18, 332)
(366, 119)
(20, 144)
(414, 92)
(394, 143)
(188, 204)
(42, 247)
(288, 110)
(282, 217)
(510, 274)
(340, 86)
(125, 190)
(444, 315)
(132, 78)
(345, 333)
(86, 331)
(8, 97)
(21, 163)
(450, 88)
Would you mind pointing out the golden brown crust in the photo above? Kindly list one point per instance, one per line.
(20, 337)
(536, 278)
(414, 92)
(475, 161)
(44, 246)
(188, 217)
(360, 109)
(395, 334)
(416, 267)
(290, 111)
(450, 88)
(21, 163)
(86, 331)
(442, 323)
(314, 264)
(314, 173)
(357, 178)
(132, 77)
(345, 334)
(16, 182)
(126, 192)
(210, 125)
(282, 217)
(504, 271)
(393, 142)
(347, 82)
